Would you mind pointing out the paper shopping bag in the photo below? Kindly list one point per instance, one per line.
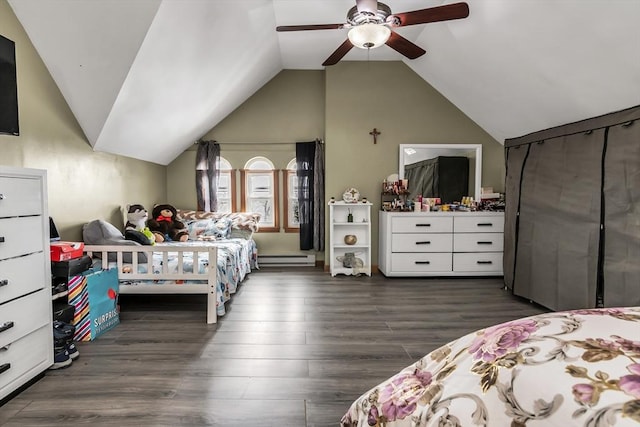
(79, 299)
(102, 287)
(95, 298)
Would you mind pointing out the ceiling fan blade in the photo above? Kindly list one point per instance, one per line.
(309, 27)
(367, 6)
(338, 54)
(404, 46)
(432, 14)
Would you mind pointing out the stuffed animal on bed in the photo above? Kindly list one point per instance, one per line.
(165, 226)
(136, 227)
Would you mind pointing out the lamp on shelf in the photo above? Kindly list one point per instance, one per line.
(369, 35)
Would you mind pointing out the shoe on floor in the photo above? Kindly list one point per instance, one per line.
(61, 359)
(63, 326)
(61, 339)
(59, 291)
(73, 351)
(63, 331)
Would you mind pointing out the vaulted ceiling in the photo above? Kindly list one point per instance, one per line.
(161, 73)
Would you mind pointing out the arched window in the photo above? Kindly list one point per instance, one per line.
(226, 187)
(260, 192)
(291, 206)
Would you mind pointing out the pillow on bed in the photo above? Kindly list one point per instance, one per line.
(209, 228)
(245, 221)
(220, 228)
(197, 228)
(99, 232)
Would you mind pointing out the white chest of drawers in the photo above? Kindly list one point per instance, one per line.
(26, 337)
(441, 243)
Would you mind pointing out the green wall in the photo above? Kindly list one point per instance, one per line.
(341, 105)
(390, 97)
(83, 185)
(288, 109)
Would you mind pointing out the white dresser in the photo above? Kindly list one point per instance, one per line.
(441, 243)
(26, 335)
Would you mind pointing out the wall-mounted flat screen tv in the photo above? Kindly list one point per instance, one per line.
(8, 88)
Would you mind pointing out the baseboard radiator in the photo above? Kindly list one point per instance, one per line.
(286, 260)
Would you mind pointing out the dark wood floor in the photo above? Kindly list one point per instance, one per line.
(295, 349)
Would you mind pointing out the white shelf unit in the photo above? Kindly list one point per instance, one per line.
(26, 334)
(339, 227)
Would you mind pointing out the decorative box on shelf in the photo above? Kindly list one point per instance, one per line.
(394, 196)
(395, 201)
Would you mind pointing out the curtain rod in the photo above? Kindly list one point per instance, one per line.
(258, 143)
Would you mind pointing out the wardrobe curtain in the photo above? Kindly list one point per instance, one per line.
(621, 263)
(310, 174)
(446, 177)
(572, 235)
(515, 158)
(559, 223)
(207, 175)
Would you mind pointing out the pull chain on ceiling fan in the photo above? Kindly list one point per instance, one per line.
(371, 24)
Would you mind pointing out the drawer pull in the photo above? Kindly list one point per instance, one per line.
(1, 239)
(423, 243)
(485, 243)
(423, 262)
(4, 282)
(485, 224)
(1, 196)
(485, 262)
(5, 367)
(423, 225)
(6, 326)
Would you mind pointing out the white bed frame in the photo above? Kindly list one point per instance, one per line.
(209, 288)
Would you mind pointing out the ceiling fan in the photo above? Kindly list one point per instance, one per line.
(370, 24)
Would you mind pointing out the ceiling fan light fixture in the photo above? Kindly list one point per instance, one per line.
(369, 35)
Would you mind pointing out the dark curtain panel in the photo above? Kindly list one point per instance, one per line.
(318, 201)
(207, 173)
(310, 173)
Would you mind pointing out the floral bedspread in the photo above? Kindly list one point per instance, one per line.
(573, 368)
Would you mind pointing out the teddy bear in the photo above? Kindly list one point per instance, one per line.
(137, 217)
(165, 226)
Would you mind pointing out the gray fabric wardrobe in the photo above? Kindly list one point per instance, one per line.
(572, 214)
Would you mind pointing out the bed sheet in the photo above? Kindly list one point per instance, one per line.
(236, 259)
(573, 368)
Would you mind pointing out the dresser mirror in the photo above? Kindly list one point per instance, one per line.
(448, 171)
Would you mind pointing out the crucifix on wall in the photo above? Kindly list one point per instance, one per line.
(375, 134)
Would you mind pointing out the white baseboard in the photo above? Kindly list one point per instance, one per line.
(286, 260)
